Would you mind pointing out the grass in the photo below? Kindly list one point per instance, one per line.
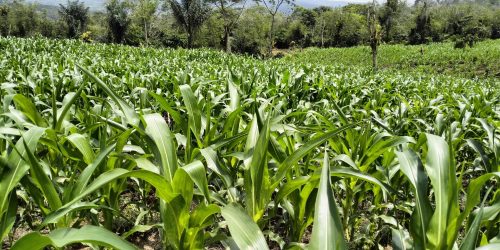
(105, 144)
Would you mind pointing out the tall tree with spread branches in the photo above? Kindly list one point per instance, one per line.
(118, 19)
(273, 7)
(230, 12)
(423, 28)
(76, 16)
(388, 17)
(190, 15)
(144, 12)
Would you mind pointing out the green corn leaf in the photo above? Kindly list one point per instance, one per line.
(183, 185)
(470, 238)
(86, 174)
(276, 150)
(163, 188)
(10, 131)
(199, 219)
(165, 106)
(243, 229)
(8, 218)
(130, 114)
(65, 236)
(478, 147)
(9, 179)
(57, 215)
(29, 110)
(327, 228)
(443, 179)
(71, 99)
(82, 144)
(340, 171)
(413, 169)
(381, 146)
(252, 138)
(398, 240)
(307, 148)
(202, 213)
(474, 193)
(164, 147)
(291, 186)
(257, 185)
(145, 164)
(30, 138)
(141, 229)
(211, 159)
(197, 172)
(15, 164)
(194, 111)
(234, 96)
(46, 185)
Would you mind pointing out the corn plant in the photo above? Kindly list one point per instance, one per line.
(109, 146)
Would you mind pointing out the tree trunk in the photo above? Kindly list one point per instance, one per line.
(146, 40)
(271, 36)
(374, 57)
(322, 36)
(388, 29)
(190, 40)
(227, 39)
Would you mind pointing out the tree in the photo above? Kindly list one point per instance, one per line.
(273, 6)
(4, 16)
(422, 31)
(390, 13)
(324, 19)
(75, 14)
(251, 37)
(144, 12)
(118, 19)
(20, 19)
(467, 26)
(495, 26)
(374, 31)
(302, 28)
(190, 14)
(230, 11)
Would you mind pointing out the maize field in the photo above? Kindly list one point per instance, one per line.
(115, 147)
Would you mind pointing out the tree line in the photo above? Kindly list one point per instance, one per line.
(255, 26)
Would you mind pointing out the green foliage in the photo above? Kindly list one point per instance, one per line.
(19, 19)
(341, 29)
(145, 12)
(250, 37)
(76, 17)
(103, 145)
(222, 24)
(118, 19)
(190, 14)
(482, 61)
(422, 33)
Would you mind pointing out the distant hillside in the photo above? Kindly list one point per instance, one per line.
(52, 11)
(318, 3)
(96, 5)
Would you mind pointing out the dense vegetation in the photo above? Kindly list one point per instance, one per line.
(254, 26)
(107, 144)
(482, 61)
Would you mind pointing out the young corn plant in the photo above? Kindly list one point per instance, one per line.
(438, 228)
